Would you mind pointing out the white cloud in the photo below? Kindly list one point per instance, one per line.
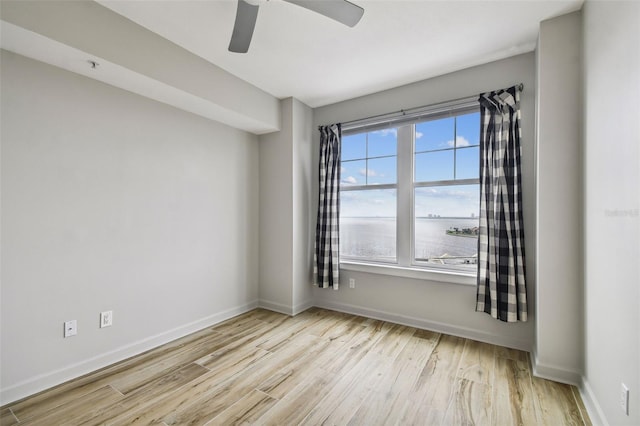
(460, 142)
(385, 132)
(419, 135)
(370, 172)
(350, 180)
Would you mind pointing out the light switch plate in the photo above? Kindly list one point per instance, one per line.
(70, 328)
(106, 319)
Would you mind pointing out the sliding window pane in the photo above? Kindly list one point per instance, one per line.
(353, 173)
(382, 170)
(368, 225)
(468, 163)
(434, 166)
(382, 142)
(468, 130)
(435, 134)
(446, 225)
(354, 147)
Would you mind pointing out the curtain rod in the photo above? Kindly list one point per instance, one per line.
(408, 111)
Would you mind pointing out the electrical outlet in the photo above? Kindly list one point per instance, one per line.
(70, 328)
(106, 319)
(352, 283)
(624, 398)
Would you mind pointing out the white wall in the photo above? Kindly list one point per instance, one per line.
(442, 306)
(285, 221)
(276, 214)
(111, 201)
(559, 330)
(303, 215)
(611, 206)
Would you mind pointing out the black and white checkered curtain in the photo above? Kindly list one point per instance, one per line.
(501, 286)
(326, 260)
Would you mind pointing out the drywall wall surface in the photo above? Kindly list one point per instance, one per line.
(163, 70)
(276, 215)
(430, 304)
(285, 191)
(611, 206)
(111, 201)
(559, 316)
(303, 215)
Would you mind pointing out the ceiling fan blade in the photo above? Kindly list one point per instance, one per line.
(340, 10)
(243, 27)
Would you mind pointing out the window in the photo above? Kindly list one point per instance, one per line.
(368, 198)
(410, 191)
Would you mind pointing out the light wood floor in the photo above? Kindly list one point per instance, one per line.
(319, 367)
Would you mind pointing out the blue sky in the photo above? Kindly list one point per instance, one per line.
(434, 160)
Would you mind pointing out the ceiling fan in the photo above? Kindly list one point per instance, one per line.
(342, 11)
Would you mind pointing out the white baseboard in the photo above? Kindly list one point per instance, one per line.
(276, 307)
(596, 415)
(285, 309)
(45, 381)
(301, 307)
(553, 372)
(436, 326)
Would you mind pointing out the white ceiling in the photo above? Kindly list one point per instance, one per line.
(295, 52)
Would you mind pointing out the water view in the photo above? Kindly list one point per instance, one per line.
(437, 240)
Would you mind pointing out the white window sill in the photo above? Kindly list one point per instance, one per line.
(448, 276)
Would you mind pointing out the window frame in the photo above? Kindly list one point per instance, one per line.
(406, 264)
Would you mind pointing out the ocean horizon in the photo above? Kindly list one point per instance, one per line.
(374, 238)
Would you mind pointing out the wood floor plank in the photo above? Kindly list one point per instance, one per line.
(237, 327)
(471, 404)
(340, 341)
(344, 342)
(288, 331)
(477, 362)
(360, 371)
(78, 411)
(355, 366)
(286, 379)
(145, 396)
(555, 403)
(204, 352)
(350, 349)
(134, 378)
(434, 388)
(513, 398)
(293, 408)
(246, 411)
(232, 361)
(384, 405)
(270, 317)
(206, 397)
(509, 353)
(327, 324)
(72, 390)
(319, 367)
(7, 418)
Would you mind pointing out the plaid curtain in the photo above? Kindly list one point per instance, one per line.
(326, 260)
(501, 286)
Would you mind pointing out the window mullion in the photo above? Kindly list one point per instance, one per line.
(404, 195)
(455, 147)
(366, 161)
